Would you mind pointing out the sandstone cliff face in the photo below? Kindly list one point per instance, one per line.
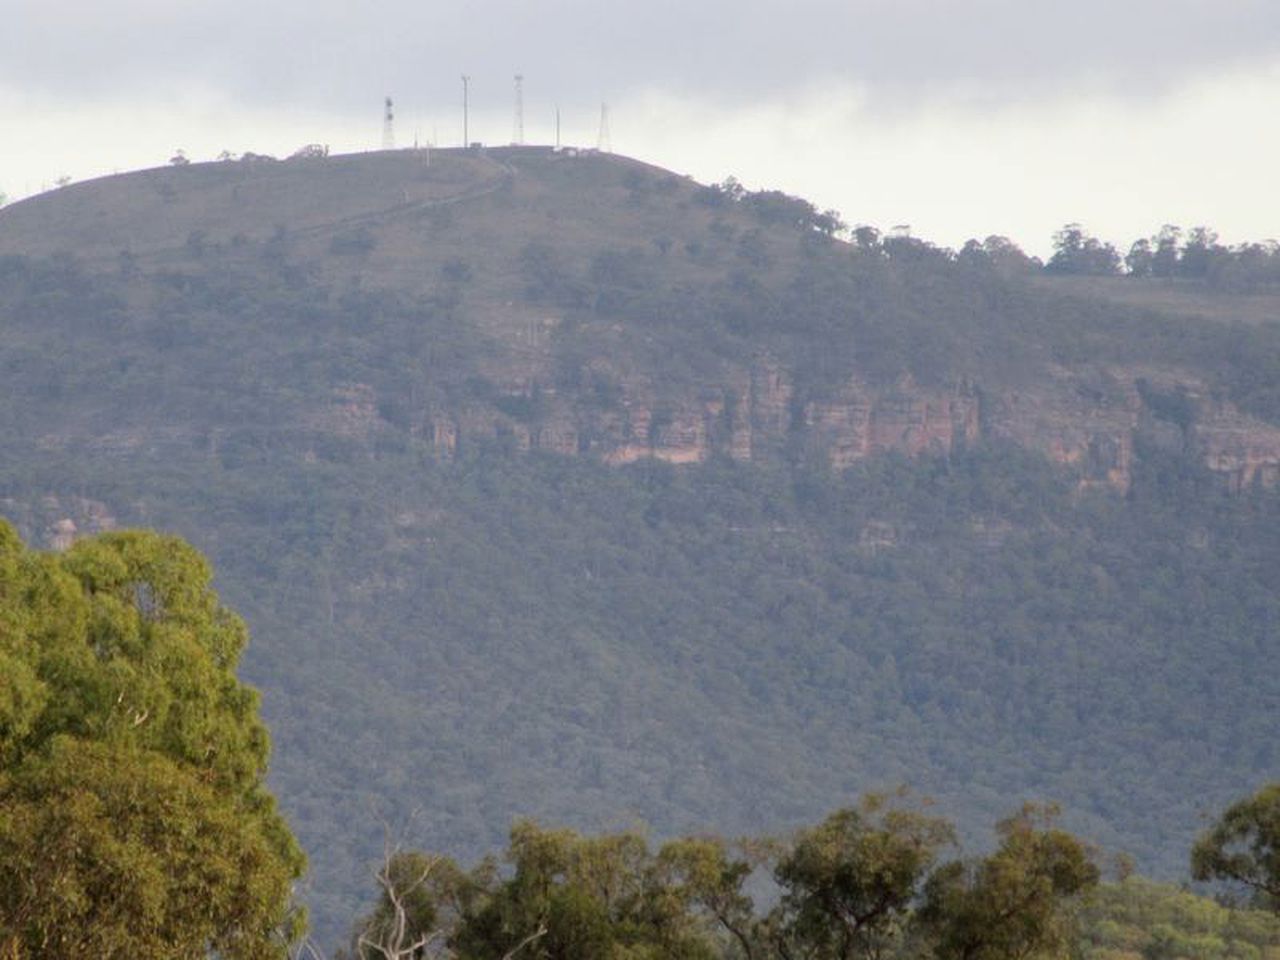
(861, 422)
(1243, 450)
(1089, 422)
(1093, 422)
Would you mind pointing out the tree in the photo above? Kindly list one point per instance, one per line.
(1199, 253)
(704, 875)
(1140, 260)
(571, 897)
(999, 253)
(1075, 252)
(1013, 904)
(134, 820)
(422, 901)
(560, 898)
(861, 884)
(406, 920)
(1243, 847)
(866, 237)
(848, 884)
(1164, 260)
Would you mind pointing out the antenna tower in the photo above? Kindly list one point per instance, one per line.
(388, 128)
(557, 126)
(466, 110)
(519, 130)
(605, 142)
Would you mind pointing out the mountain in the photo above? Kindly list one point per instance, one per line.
(555, 483)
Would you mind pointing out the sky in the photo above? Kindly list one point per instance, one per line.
(960, 118)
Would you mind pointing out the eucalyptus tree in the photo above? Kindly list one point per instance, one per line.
(134, 817)
(1243, 847)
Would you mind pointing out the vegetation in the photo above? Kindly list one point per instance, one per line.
(1243, 848)
(719, 647)
(134, 821)
(1195, 256)
(869, 881)
(488, 634)
(1137, 918)
(862, 884)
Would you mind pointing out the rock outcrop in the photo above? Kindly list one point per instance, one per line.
(1090, 423)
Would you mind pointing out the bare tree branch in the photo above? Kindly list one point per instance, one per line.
(540, 932)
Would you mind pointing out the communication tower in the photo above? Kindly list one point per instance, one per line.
(388, 126)
(466, 109)
(604, 143)
(518, 133)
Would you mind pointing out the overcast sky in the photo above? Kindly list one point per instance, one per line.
(959, 117)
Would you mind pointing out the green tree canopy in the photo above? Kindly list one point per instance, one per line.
(1243, 847)
(134, 821)
(1013, 904)
(1075, 252)
(571, 897)
(861, 884)
(850, 882)
(1139, 918)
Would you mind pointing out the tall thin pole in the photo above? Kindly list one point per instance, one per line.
(557, 126)
(519, 131)
(466, 108)
(605, 143)
(388, 130)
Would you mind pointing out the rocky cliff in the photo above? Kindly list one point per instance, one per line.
(1088, 422)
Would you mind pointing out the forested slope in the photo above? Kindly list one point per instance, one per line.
(926, 517)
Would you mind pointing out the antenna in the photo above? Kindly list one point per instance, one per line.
(519, 130)
(388, 129)
(604, 143)
(557, 126)
(466, 109)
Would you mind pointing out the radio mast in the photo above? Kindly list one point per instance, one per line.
(466, 108)
(604, 143)
(388, 128)
(518, 139)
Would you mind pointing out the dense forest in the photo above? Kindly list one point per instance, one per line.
(490, 630)
(134, 822)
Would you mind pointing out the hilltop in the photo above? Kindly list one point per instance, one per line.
(630, 313)
(564, 485)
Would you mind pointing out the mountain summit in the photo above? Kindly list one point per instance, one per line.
(623, 312)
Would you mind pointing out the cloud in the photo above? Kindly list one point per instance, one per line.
(961, 118)
(955, 170)
(340, 56)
